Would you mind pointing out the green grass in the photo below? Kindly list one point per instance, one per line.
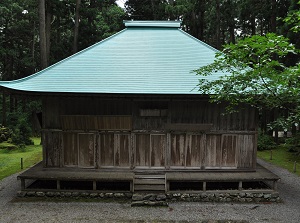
(281, 157)
(10, 157)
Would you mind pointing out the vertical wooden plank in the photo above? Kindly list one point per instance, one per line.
(86, 150)
(229, 150)
(187, 148)
(246, 146)
(117, 150)
(142, 150)
(70, 150)
(52, 146)
(203, 151)
(195, 147)
(213, 151)
(168, 151)
(132, 153)
(177, 150)
(106, 148)
(158, 149)
(122, 150)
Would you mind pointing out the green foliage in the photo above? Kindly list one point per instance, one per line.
(22, 132)
(5, 133)
(293, 18)
(293, 143)
(265, 142)
(254, 73)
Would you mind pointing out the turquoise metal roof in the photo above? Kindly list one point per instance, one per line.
(147, 57)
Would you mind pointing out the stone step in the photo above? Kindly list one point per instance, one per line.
(143, 176)
(149, 183)
(148, 199)
(148, 187)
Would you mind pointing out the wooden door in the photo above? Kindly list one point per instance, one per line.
(150, 150)
(86, 150)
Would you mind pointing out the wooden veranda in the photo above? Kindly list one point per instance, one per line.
(130, 181)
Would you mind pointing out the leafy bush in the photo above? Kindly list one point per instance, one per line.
(293, 143)
(22, 132)
(5, 133)
(265, 142)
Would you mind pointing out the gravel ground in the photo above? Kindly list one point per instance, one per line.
(288, 211)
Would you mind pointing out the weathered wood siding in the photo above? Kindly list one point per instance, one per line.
(187, 150)
(52, 148)
(164, 134)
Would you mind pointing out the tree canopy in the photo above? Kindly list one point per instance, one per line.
(259, 73)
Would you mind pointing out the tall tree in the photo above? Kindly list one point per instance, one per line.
(43, 36)
(76, 28)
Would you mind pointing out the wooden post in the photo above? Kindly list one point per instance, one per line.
(240, 185)
(204, 186)
(58, 184)
(22, 183)
(21, 163)
(295, 167)
(94, 185)
(275, 185)
(271, 154)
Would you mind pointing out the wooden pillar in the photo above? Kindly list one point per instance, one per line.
(94, 185)
(204, 186)
(240, 185)
(22, 183)
(58, 184)
(275, 185)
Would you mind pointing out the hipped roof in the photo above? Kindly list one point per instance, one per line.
(147, 57)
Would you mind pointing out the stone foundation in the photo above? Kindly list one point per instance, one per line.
(243, 197)
(152, 199)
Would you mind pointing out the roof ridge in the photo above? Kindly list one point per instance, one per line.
(151, 23)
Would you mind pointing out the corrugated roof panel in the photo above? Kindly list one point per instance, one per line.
(139, 60)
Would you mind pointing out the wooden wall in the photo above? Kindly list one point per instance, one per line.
(131, 133)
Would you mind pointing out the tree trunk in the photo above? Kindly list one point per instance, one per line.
(202, 21)
(48, 31)
(253, 25)
(43, 41)
(3, 109)
(273, 17)
(232, 36)
(218, 36)
(76, 28)
(153, 10)
(33, 48)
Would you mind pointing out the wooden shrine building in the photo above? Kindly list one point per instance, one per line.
(126, 111)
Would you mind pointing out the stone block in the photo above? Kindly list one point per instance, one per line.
(40, 194)
(30, 194)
